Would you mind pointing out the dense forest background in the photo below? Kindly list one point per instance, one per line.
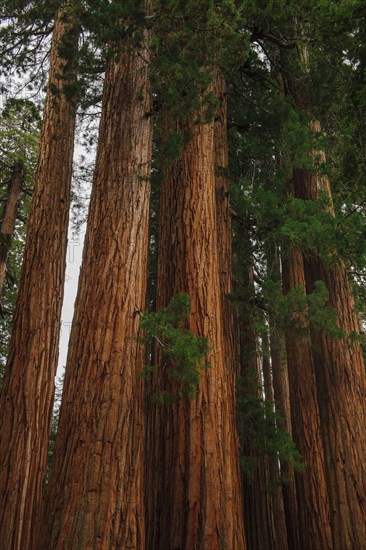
(214, 389)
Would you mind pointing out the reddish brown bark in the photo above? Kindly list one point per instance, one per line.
(96, 487)
(312, 497)
(194, 498)
(223, 214)
(27, 394)
(9, 217)
(339, 366)
(341, 383)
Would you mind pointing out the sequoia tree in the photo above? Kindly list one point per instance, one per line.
(193, 482)
(339, 366)
(95, 495)
(312, 494)
(27, 394)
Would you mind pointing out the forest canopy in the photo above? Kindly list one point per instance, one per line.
(214, 388)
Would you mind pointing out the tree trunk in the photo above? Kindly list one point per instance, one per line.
(96, 488)
(258, 510)
(339, 366)
(282, 397)
(313, 505)
(223, 215)
(9, 218)
(341, 383)
(194, 497)
(27, 394)
(275, 485)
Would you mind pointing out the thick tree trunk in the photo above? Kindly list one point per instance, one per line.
(341, 383)
(96, 487)
(339, 366)
(27, 394)
(194, 497)
(9, 218)
(312, 497)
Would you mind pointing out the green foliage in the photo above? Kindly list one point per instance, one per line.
(190, 38)
(181, 351)
(297, 311)
(308, 226)
(262, 430)
(19, 134)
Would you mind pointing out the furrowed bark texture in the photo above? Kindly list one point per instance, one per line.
(312, 497)
(194, 499)
(9, 218)
(223, 215)
(339, 365)
(27, 395)
(96, 488)
(341, 383)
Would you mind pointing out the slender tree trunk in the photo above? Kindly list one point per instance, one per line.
(280, 393)
(258, 510)
(275, 485)
(96, 487)
(9, 218)
(27, 394)
(194, 497)
(312, 496)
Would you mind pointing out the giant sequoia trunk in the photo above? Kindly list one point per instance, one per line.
(341, 385)
(27, 394)
(96, 496)
(339, 366)
(312, 496)
(9, 217)
(193, 493)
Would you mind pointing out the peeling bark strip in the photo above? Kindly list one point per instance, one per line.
(95, 494)
(9, 218)
(312, 496)
(193, 493)
(27, 394)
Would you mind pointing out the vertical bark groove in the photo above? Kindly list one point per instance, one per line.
(194, 499)
(312, 496)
